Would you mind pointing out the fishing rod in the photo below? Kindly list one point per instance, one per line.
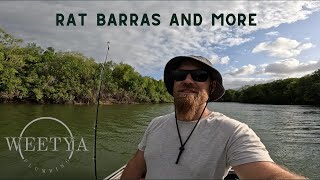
(97, 114)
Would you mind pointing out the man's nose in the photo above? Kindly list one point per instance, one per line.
(188, 79)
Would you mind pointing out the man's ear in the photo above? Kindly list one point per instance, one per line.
(213, 86)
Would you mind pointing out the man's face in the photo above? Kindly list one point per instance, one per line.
(189, 91)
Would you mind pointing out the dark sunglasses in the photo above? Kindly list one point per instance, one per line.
(197, 75)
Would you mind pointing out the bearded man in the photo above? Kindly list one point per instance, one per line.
(194, 142)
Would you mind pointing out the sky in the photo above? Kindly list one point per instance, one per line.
(284, 43)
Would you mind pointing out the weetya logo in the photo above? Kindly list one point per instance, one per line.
(42, 147)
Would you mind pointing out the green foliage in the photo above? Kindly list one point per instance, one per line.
(31, 74)
(229, 96)
(7, 40)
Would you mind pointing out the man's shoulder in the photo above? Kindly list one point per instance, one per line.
(169, 115)
(157, 121)
(227, 122)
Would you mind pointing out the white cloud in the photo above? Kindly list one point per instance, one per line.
(291, 67)
(225, 60)
(215, 59)
(282, 47)
(287, 68)
(243, 71)
(231, 82)
(272, 33)
(234, 41)
(263, 65)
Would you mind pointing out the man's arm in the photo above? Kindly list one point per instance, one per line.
(135, 168)
(264, 170)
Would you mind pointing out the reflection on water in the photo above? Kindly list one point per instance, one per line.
(290, 133)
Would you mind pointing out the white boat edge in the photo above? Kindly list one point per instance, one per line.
(117, 174)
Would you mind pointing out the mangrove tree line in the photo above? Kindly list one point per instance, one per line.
(31, 74)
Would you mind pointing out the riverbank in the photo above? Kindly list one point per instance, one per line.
(102, 102)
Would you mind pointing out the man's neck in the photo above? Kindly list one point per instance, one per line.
(192, 114)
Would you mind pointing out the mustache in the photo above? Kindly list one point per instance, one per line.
(188, 87)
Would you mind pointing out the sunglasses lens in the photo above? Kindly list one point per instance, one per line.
(179, 75)
(199, 75)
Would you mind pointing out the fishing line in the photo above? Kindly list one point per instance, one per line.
(97, 113)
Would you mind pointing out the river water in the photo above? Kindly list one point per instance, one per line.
(290, 133)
